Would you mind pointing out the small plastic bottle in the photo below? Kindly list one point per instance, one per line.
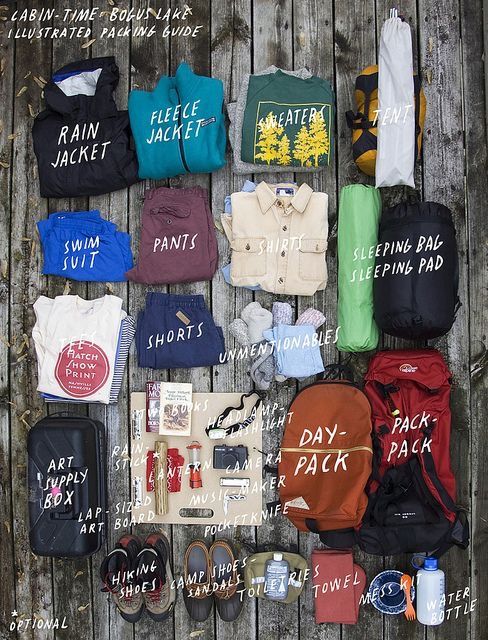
(430, 598)
(276, 575)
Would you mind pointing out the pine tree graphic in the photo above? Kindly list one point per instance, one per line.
(284, 157)
(318, 137)
(301, 146)
(269, 139)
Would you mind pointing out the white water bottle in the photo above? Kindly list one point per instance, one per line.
(430, 598)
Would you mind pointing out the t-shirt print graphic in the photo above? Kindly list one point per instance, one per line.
(82, 368)
(292, 134)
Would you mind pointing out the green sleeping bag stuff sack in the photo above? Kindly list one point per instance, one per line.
(359, 216)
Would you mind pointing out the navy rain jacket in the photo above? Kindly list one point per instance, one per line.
(83, 143)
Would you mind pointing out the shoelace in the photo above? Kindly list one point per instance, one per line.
(155, 595)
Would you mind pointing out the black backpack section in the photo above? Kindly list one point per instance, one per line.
(403, 517)
(416, 271)
(67, 486)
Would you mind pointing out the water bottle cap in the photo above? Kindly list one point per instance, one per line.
(277, 556)
(430, 564)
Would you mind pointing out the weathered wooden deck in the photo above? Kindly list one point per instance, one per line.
(335, 40)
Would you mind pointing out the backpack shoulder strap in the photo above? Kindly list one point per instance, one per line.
(339, 539)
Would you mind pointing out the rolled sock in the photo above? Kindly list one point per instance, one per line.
(258, 320)
(282, 313)
(263, 366)
(239, 329)
(311, 316)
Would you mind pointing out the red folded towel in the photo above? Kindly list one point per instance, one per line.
(338, 584)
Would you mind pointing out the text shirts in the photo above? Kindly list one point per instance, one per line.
(76, 344)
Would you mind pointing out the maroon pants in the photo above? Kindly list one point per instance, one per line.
(178, 242)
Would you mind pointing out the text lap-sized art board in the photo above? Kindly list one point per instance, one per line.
(209, 504)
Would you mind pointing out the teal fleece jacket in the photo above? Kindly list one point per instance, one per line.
(179, 126)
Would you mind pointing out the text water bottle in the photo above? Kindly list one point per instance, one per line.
(430, 598)
(276, 574)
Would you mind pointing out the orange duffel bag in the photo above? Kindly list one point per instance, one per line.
(326, 455)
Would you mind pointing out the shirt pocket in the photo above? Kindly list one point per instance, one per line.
(248, 257)
(312, 265)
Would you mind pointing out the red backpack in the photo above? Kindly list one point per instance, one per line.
(412, 490)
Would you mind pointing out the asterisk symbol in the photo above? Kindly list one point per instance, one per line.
(14, 613)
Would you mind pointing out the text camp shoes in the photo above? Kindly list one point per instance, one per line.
(139, 575)
(212, 574)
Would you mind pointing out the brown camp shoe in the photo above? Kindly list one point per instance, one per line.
(197, 592)
(227, 580)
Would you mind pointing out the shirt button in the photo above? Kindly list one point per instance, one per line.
(279, 203)
(285, 228)
(248, 247)
(283, 254)
(280, 280)
(169, 221)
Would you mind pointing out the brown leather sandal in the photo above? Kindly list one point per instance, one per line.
(228, 586)
(197, 592)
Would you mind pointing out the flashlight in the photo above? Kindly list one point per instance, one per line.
(194, 464)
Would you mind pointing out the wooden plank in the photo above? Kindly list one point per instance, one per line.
(475, 128)
(114, 207)
(273, 44)
(485, 39)
(398, 626)
(33, 574)
(313, 36)
(230, 60)
(149, 60)
(7, 146)
(443, 161)
(71, 578)
(196, 52)
(355, 49)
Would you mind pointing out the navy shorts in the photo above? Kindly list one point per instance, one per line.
(178, 332)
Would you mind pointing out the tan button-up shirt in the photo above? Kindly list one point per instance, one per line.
(278, 236)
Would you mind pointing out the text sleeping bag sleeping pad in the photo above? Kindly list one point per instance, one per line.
(179, 126)
(416, 271)
(81, 140)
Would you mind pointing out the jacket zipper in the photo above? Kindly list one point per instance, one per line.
(347, 450)
(180, 139)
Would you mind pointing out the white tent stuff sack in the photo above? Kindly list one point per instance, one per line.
(396, 117)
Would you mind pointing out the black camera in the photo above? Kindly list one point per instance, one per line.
(225, 457)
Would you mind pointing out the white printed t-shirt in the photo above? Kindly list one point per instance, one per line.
(76, 344)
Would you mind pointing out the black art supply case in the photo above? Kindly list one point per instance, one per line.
(67, 478)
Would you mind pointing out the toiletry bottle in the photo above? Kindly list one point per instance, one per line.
(430, 598)
(276, 575)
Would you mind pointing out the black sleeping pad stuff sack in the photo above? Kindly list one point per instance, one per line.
(416, 271)
(67, 486)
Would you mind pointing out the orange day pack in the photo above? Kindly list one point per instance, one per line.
(326, 457)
